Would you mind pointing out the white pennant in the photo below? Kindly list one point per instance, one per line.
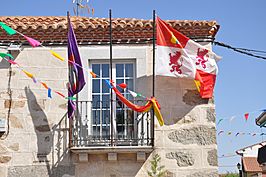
(133, 93)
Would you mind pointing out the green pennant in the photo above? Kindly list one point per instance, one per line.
(71, 98)
(6, 55)
(9, 30)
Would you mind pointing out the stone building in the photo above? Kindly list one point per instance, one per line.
(37, 139)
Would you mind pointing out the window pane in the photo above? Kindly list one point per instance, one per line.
(106, 101)
(96, 101)
(95, 86)
(96, 117)
(119, 104)
(106, 117)
(105, 70)
(120, 117)
(130, 97)
(119, 70)
(129, 83)
(130, 116)
(96, 131)
(105, 87)
(106, 132)
(96, 69)
(129, 70)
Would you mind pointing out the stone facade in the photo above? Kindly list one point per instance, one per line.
(36, 143)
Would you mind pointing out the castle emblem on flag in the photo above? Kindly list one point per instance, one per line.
(176, 62)
(200, 56)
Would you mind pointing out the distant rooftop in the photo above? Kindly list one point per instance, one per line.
(95, 30)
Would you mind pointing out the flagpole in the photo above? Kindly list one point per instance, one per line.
(153, 76)
(111, 75)
(70, 120)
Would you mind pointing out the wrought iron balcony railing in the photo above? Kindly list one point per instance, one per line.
(92, 125)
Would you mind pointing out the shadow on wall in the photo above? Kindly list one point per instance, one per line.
(176, 96)
(51, 142)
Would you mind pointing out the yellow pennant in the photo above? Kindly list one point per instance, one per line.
(56, 55)
(197, 85)
(157, 112)
(28, 74)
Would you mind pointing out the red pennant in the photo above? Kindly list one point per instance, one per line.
(122, 85)
(246, 116)
(60, 94)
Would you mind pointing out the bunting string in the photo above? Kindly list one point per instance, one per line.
(245, 116)
(30, 75)
(236, 134)
(36, 43)
(32, 42)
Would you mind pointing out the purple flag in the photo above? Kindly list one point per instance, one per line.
(76, 75)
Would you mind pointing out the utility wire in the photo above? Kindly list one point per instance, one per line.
(242, 50)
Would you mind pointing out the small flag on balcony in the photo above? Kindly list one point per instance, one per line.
(76, 75)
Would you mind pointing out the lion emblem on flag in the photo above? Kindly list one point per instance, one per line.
(176, 62)
(200, 56)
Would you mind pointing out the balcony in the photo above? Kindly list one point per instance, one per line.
(92, 130)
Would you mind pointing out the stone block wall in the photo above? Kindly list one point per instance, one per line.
(35, 143)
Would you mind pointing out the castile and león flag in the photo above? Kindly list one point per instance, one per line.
(179, 56)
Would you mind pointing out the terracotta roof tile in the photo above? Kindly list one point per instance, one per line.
(54, 28)
(251, 165)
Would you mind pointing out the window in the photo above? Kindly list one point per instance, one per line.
(123, 72)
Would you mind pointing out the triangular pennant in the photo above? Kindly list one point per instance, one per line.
(220, 132)
(232, 118)
(71, 98)
(8, 29)
(44, 85)
(197, 83)
(246, 116)
(3, 55)
(122, 85)
(219, 121)
(134, 94)
(34, 80)
(60, 94)
(108, 83)
(49, 93)
(93, 74)
(33, 42)
(28, 74)
(12, 62)
(56, 55)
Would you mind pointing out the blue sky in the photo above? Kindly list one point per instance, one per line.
(241, 82)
